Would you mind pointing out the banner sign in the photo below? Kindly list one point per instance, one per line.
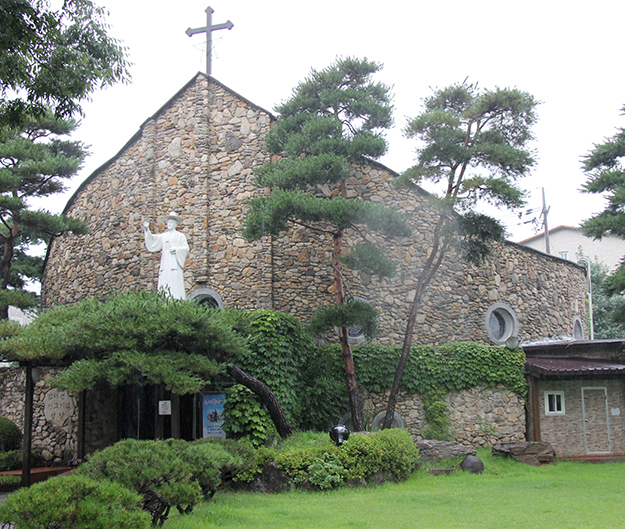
(213, 416)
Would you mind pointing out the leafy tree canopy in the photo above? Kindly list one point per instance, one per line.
(35, 161)
(54, 58)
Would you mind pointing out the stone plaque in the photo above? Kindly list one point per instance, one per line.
(58, 408)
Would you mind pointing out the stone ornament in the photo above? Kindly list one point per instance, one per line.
(174, 251)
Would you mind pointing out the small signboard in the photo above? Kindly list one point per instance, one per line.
(164, 407)
(213, 416)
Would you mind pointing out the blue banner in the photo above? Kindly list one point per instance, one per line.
(213, 416)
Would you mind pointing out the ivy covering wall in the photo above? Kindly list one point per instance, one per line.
(309, 383)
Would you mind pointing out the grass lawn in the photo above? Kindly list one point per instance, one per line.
(506, 495)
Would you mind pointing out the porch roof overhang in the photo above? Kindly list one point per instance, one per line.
(562, 367)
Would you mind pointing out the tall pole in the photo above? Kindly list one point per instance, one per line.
(544, 213)
(208, 29)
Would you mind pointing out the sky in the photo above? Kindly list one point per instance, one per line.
(566, 54)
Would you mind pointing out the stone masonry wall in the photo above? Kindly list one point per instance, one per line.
(546, 294)
(55, 417)
(479, 416)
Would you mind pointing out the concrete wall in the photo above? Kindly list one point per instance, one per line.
(609, 249)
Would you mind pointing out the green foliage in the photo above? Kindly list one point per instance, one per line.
(313, 458)
(327, 471)
(10, 479)
(160, 472)
(35, 161)
(10, 460)
(606, 176)
(369, 258)
(355, 312)
(133, 337)
(245, 417)
(247, 461)
(475, 142)
(10, 435)
(333, 120)
(606, 306)
(210, 462)
(450, 367)
(325, 399)
(54, 57)
(436, 411)
(76, 502)
(278, 349)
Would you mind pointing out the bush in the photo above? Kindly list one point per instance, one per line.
(153, 469)
(314, 458)
(247, 461)
(10, 435)
(327, 471)
(11, 460)
(208, 462)
(391, 452)
(75, 502)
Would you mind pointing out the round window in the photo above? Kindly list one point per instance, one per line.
(501, 323)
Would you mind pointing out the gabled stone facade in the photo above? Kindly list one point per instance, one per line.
(196, 156)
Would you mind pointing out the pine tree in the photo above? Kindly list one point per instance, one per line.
(475, 144)
(35, 161)
(333, 119)
(606, 176)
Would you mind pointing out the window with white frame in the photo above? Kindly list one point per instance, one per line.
(554, 403)
(564, 255)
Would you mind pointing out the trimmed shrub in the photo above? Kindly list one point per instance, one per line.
(389, 452)
(153, 469)
(313, 458)
(208, 461)
(75, 502)
(10, 435)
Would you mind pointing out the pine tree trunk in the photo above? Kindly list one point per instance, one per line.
(267, 396)
(5, 268)
(358, 421)
(432, 265)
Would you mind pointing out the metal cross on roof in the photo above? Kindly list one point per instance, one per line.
(208, 29)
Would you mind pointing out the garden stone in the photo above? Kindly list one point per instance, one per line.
(533, 453)
(272, 479)
(435, 451)
(472, 464)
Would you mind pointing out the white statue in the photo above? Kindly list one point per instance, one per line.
(174, 248)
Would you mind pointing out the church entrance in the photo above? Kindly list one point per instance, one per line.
(151, 412)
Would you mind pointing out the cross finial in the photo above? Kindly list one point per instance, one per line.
(208, 29)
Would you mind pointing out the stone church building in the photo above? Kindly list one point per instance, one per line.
(196, 157)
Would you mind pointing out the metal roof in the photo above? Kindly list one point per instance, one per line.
(572, 366)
